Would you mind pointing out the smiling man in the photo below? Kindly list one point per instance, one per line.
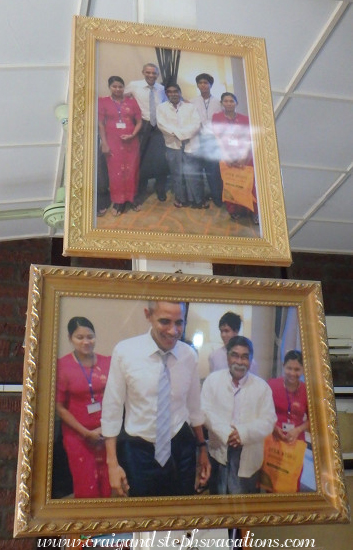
(149, 94)
(239, 414)
(154, 377)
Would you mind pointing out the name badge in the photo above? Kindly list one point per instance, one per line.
(120, 125)
(287, 427)
(233, 142)
(93, 408)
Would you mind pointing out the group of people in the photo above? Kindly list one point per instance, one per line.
(149, 131)
(139, 424)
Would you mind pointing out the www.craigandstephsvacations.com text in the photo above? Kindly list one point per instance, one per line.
(191, 541)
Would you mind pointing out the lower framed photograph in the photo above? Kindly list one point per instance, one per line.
(157, 402)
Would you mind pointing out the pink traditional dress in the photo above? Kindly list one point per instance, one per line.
(234, 139)
(291, 407)
(120, 118)
(80, 390)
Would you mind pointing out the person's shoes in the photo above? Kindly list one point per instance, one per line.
(136, 207)
(161, 195)
(179, 204)
(200, 205)
(255, 219)
(117, 209)
(235, 217)
(101, 212)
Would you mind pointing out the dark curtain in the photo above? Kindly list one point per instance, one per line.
(168, 61)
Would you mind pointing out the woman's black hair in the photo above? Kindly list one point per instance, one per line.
(229, 93)
(293, 355)
(112, 79)
(76, 322)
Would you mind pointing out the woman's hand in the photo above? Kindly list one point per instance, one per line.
(105, 149)
(278, 433)
(292, 436)
(95, 435)
(127, 137)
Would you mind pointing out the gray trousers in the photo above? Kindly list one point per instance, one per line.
(225, 479)
(186, 175)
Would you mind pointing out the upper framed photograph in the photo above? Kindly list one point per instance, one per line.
(172, 150)
(159, 401)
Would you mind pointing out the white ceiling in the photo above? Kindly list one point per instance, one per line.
(310, 56)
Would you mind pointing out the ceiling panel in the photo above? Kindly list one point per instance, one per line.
(119, 9)
(290, 28)
(25, 228)
(27, 174)
(332, 71)
(340, 205)
(312, 185)
(27, 108)
(333, 237)
(316, 132)
(36, 31)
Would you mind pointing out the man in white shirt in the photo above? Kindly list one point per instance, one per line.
(149, 94)
(180, 123)
(136, 369)
(240, 413)
(229, 326)
(208, 152)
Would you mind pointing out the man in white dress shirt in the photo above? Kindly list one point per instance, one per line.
(152, 148)
(133, 387)
(229, 326)
(240, 413)
(180, 124)
(207, 105)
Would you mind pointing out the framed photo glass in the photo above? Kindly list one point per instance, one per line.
(110, 319)
(199, 178)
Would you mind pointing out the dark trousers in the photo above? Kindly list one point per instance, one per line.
(209, 162)
(185, 173)
(153, 164)
(148, 478)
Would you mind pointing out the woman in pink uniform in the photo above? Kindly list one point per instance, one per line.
(82, 376)
(119, 122)
(289, 396)
(232, 131)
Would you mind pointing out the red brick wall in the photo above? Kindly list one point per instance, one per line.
(335, 272)
(15, 260)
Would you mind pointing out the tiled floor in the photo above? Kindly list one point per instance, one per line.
(164, 217)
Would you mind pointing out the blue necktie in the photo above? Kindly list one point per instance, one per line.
(163, 430)
(153, 117)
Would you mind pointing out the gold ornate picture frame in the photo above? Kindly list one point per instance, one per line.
(102, 48)
(114, 301)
